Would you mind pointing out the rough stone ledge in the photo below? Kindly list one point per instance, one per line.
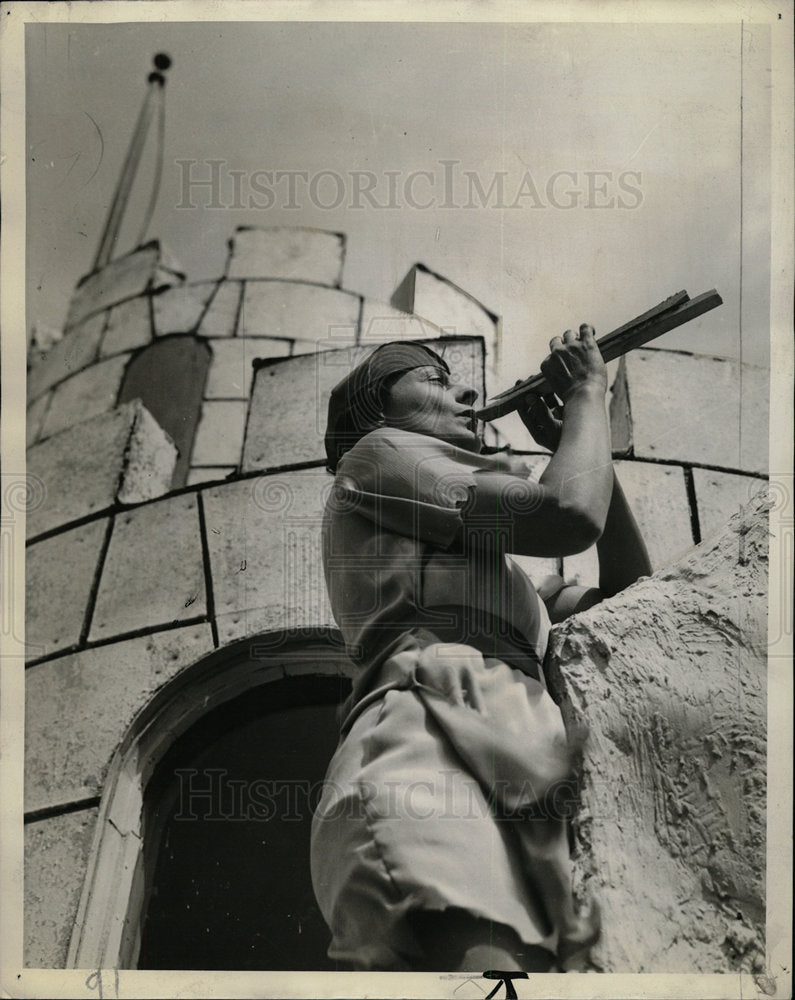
(669, 678)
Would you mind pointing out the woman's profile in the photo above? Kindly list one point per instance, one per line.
(438, 843)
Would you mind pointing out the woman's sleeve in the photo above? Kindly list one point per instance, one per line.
(408, 483)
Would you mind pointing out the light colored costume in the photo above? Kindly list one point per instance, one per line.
(450, 739)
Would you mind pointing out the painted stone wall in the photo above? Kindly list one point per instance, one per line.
(131, 580)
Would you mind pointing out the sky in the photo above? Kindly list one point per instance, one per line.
(618, 148)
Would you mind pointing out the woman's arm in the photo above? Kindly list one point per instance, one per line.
(565, 512)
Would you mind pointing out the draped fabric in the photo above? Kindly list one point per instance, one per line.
(450, 741)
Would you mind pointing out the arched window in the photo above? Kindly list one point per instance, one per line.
(226, 834)
(201, 856)
(169, 377)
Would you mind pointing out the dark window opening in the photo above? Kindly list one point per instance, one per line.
(227, 819)
(169, 377)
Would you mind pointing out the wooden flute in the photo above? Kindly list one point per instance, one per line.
(673, 312)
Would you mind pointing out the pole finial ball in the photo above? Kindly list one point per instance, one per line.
(162, 61)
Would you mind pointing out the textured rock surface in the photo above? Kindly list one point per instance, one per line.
(670, 678)
(56, 858)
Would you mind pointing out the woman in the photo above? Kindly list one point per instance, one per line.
(436, 844)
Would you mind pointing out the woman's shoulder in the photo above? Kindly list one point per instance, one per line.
(394, 443)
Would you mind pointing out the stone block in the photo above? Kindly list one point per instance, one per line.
(692, 408)
(123, 455)
(719, 495)
(657, 496)
(382, 323)
(289, 401)
(446, 305)
(209, 473)
(129, 326)
(59, 576)
(669, 679)
(295, 254)
(86, 394)
(77, 349)
(123, 278)
(80, 707)
(219, 436)
(220, 319)
(34, 418)
(265, 553)
(232, 370)
(179, 309)
(56, 860)
(153, 572)
(298, 312)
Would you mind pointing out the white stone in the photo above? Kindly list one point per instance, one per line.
(178, 310)
(97, 693)
(59, 576)
(264, 540)
(719, 495)
(295, 311)
(129, 327)
(220, 319)
(208, 473)
(123, 455)
(123, 278)
(34, 418)
(219, 436)
(75, 351)
(694, 408)
(382, 323)
(291, 253)
(231, 370)
(153, 572)
(86, 394)
(56, 859)
(657, 496)
(446, 305)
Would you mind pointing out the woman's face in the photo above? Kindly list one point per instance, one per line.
(424, 401)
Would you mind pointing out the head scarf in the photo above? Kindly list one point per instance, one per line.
(354, 408)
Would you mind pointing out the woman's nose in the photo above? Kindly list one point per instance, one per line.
(466, 394)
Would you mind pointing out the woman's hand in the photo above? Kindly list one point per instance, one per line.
(543, 417)
(574, 362)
